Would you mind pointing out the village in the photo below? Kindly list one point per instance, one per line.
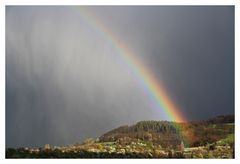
(92, 148)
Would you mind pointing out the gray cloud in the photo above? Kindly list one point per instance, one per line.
(65, 83)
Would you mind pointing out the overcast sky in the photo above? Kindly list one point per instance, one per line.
(64, 82)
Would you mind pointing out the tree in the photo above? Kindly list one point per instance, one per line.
(89, 141)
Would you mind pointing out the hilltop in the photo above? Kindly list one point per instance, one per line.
(171, 134)
(212, 138)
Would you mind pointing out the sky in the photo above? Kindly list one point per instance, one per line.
(65, 82)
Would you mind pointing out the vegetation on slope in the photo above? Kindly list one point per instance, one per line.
(171, 134)
(213, 138)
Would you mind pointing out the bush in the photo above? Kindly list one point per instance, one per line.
(89, 141)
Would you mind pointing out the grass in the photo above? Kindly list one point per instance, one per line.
(229, 140)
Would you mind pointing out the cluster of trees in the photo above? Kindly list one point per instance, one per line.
(156, 126)
(170, 134)
(219, 130)
(222, 119)
(15, 153)
(202, 133)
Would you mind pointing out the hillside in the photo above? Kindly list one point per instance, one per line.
(213, 138)
(171, 134)
(221, 119)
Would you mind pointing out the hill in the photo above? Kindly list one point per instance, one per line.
(171, 134)
(221, 119)
(213, 138)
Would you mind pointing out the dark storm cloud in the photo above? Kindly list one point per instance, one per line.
(64, 83)
(190, 49)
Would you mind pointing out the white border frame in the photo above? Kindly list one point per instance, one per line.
(4, 3)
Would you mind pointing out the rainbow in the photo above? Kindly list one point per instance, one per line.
(154, 89)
